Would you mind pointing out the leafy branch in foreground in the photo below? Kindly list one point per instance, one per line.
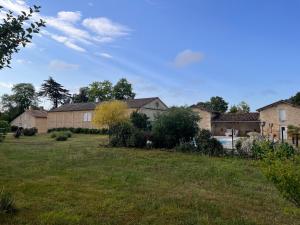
(16, 31)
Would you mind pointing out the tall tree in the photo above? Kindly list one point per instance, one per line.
(242, 107)
(216, 103)
(24, 95)
(295, 99)
(16, 31)
(123, 90)
(54, 91)
(82, 96)
(101, 91)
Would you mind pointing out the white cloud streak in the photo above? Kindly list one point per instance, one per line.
(61, 65)
(186, 58)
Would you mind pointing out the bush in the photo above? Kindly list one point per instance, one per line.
(4, 126)
(68, 133)
(56, 134)
(30, 131)
(7, 202)
(208, 145)
(285, 175)
(175, 126)
(186, 147)
(18, 133)
(80, 130)
(14, 128)
(140, 121)
(245, 146)
(61, 137)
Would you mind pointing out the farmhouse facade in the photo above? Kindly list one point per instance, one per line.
(219, 123)
(32, 118)
(81, 114)
(276, 117)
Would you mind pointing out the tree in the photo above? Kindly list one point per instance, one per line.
(175, 126)
(233, 109)
(110, 113)
(242, 107)
(24, 95)
(295, 99)
(102, 91)
(123, 90)
(217, 104)
(140, 120)
(54, 91)
(16, 31)
(82, 96)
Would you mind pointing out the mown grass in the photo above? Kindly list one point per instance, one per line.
(80, 182)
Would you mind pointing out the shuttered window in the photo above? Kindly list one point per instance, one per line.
(87, 117)
(282, 115)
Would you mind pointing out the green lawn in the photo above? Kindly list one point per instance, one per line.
(80, 182)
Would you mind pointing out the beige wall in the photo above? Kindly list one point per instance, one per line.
(26, 120)
(271, 117)
(69, 119)
(205, 118)
(153, 108)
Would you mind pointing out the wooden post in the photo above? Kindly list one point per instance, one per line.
(232, 133)
(297, 140)
(282, 137)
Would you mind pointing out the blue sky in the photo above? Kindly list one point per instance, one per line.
(182, 51)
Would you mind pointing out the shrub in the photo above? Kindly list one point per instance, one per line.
(285, 175)
(173, 126)
(261, 148)
(7, 202)
(140, 121)
(4, 126)
(68, 133)
(14, 128)
(54, 134)
(61, 137)
(208, 145)
(80, 130)
(18, 133)
(30, 131)
(186, 147)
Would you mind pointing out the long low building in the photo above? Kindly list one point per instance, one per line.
(81, 114)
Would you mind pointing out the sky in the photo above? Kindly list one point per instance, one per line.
(181, 51)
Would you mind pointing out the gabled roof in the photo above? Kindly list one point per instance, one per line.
(38, 113)
(277, 103)
(236, 117)
(132, 103)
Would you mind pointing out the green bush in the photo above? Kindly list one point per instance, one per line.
(68, 133)
(61, 137)
(7, 202)
(56, 134)
(80, 130)
(285, 175)
(4, 126)
(178, 124)
(208, 145)
(261, 148)
(140, 121)
(30, 131)
(14, 128)
(186, 147)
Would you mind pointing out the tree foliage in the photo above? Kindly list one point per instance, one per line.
(140, 120)
(175, 126)
(110, 113)
(54, 91)
(217, 104)
(123, 90)
(295, 99)
(100, 90)
(82, 96)
(15, 32)
(242, 107)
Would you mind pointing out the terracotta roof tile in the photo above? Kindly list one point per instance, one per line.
(236, 117)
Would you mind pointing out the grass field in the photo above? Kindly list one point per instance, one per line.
(80, 182)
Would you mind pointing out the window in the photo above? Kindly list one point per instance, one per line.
(87, 117)
(282, 115)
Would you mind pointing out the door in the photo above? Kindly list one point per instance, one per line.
(283, 133)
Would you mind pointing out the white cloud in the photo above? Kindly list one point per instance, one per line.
(68, 28)
(105, 28)
(187, 57)
(104, 55)
(23, 61)
(71, 17)
(6, 85)
(61, 65)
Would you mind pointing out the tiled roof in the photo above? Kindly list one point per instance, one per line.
(38, 113)
(132, 103)
(202, 108)
(277, 103)
(236, 117)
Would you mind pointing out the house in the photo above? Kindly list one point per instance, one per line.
(32, 118)
(218, 123)
(81, 114)
(276, 117)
